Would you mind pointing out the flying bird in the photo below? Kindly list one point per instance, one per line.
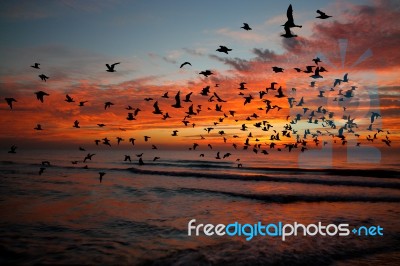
(68, 99)
(10, 101)
(322, 15)
(157, 110)
(185, 63)
(223, 49)
(177, 101)
(40, 95)
(246, 26)
(277, 69)
(107, 105)
(101, 174)
(36, 65)
(43, 77)
(111, 68)
(206, 73)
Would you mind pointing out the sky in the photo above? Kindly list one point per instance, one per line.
(73, 40)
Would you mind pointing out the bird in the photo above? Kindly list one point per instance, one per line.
(43, 77)
(12, 149)
(316, 60)
(10, 101)
(223, 49)
(88, 156)
(40, 95)
(206, 73)
(156, 158)
(187, 97)
(280, 93)
(41, 170)
(82, 103)
(127, 158)
(316, 74)
(68, 99)
(322, 15)
(36, 65)
(277, 69)
(111, 68)
(130, 117)
(185, 63)
(374, 116)
(76, 124)
(177, 101)
(290, 22)
(38, 127)
(141, 161)
(246, 26)
(157, 109)
(146, 138)
(101, 174)
(107, 105)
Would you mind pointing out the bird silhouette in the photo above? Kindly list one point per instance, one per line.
(177, 101)
(185, 63)
(290, 22)
(101, 174)
(246, 26)
(187, 97)
(157, 109)
(277, 69)
(68, 99)
(88, 157)
(40, 95)
(223, 49)
(316, 74)
(127, 158)
(82, 103)
(322, 15)
(111, 68)
(36, 65)
(43, 77)
(10, 102)
(38, 127)
(206, 73)
(107, 105)
(12, 149)
(76, 124)
(41, 170)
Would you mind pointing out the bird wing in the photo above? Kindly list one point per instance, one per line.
(320, 12)
(289, 13)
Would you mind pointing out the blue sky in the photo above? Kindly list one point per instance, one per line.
(146, 36)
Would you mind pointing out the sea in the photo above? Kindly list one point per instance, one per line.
(139, 214)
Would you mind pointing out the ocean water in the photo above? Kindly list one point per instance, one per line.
(138, 215)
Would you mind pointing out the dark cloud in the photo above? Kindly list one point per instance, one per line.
(237, 63)
(264, 54)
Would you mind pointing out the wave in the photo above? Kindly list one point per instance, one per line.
(285, 198)
(266, 178)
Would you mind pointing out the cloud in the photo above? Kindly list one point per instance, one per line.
(237, 63)
(241, 35)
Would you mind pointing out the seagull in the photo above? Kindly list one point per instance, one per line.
(12, 149)
(101, 174)
(76, 124)
(36, 65)
(89, 156)
(157, 110)
(290, 22)
(316, 74)
(10, 101)
(317, 60)
(127, 158)
(82, 103)
(43, 77)
(40, 95)
(206, 73)
(41, 170)
(322, 15)
(277, 69)
(185, 63)
(246, 26)
(68, 99)
(146, 138)
(280, 93)
(223, 49)
(177, 101)
(38, 127)
(374, 116)
(107, 105)
(187, 97)
(111, 68)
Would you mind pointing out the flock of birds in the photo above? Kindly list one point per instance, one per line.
(292, 136)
